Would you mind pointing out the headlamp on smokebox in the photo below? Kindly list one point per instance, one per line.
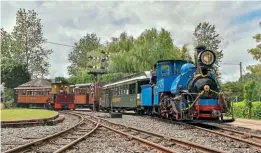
(207, 57)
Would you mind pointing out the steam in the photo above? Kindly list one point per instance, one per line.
(191, 50)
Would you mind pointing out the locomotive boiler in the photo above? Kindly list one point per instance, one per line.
(184, 91)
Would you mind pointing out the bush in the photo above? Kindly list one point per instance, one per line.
(9, 98)
(9, 104)
(241, 111)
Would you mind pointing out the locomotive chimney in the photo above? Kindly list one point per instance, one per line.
(199, 49)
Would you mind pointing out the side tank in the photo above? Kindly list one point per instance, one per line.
(167, 72)
(181, 81)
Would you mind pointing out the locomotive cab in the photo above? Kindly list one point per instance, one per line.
(63, 98)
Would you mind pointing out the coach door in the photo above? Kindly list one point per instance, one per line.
(107, 98)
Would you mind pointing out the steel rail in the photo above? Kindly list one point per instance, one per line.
(254, 144)
(258, 145)
(250, 135)
(146, 142)
(79, 139)
(232, 137)
(23, 147)
(183, 143)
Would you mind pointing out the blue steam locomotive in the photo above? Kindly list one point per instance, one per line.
(182, 91)
(176, 89)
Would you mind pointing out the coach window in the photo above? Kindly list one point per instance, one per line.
(113, 91)
(116, 91)
(132, 88)
(41, 93)
(120, 88)
(77, 92)
(127, 89)
(28, 92)
(19, 92)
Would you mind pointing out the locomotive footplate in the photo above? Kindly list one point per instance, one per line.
(208, 121)
(115, 115)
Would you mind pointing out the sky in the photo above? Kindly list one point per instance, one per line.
(67, 21)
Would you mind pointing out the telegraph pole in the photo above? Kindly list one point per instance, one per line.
(240, 65)
(96, 73)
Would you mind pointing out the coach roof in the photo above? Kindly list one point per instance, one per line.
(139, 76)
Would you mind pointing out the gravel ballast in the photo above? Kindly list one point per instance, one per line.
(12, 137)
(182, 132)
(106, 141)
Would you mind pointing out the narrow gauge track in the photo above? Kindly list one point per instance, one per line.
(250, 138)
(244, 137)
(154, 140)
(49, 144)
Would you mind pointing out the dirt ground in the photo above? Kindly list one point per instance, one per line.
(252, 124)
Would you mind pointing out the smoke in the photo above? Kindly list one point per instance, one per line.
(191, 51)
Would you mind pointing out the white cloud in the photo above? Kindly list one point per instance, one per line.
(67, 22)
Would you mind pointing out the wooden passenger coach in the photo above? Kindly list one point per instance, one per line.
(41, 93)
(33, 93)
(87, 94)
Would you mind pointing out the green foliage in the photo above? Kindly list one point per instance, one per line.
(9, 105)
(205, 34)
(81, 77)
(9, 98)
(249, 94)
(147, 49)
(236, 89)
(185, 53)
(241, 111)
(14, 75)
(233, 89)
(28, 40)
(256, 53)
(86, 77)
(61, 80)
(110, 77)
(124, 55)
(81, 51)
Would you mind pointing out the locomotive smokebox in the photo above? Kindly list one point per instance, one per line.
(200, 83)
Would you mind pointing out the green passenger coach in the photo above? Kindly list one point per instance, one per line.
(124, 94)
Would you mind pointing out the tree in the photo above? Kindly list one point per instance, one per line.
(6, 42)
(14, 75)
(12, 72)
(81, 51)
(205, 34)
(185, 53)
(61, 80)
(28, 43)
(148, 48)
(249, 95)
(256, 53)
(233, 89)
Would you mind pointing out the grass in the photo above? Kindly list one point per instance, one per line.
(25, 114)
(240, 110)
